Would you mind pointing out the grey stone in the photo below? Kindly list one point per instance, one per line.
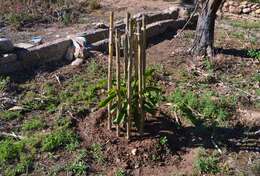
(6, 46)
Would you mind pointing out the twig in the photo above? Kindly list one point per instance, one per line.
(58, 79)
(215, 145)
(11, 135)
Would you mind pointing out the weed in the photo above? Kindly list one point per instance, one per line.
(163, 140)
(254, 54)
(246, 24)
(207, 164)
(79, 167)
(59, 138)
(33, 124)
(4, 82)
(10, 115)
(120, 172)
(96, 151)
(202, 108)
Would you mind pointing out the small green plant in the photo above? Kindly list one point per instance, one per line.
(4, 82)
(207, 164)
(33, 124)
(163, 140)
(59, 138)
(120, 172)
(96, 151)
(254, 54)
(79, 166)
(151, 96)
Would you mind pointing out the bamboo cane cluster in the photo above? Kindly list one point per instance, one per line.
(133, 44)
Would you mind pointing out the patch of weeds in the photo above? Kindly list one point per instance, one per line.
(200, 108)
(207, 63)
(120, 172)
(16, 157)
(4, 82)
(205, 164)
(58, 139)
(10, 115)
(79, 166)
(32, 101)
(96, 151)
(238, 35)
(254, 54)
(33, 124)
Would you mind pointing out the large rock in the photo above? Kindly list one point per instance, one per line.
(6, 46)
(246, 10)
(257, 11)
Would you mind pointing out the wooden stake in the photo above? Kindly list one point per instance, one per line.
(140, 78)
(129, 76)
(126, 44)
(110, 63)
(144, 47)
(117, 46)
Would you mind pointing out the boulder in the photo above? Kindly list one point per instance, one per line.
(6, 46)
(24, 45)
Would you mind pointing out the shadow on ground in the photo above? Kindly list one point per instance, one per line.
(238, 138)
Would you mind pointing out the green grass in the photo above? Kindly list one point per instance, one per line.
(120, 172)
(59, 139)
(10, 115)
(97, 153)
(33, 124)
(79, 166)
(254, 54)
(201, 108)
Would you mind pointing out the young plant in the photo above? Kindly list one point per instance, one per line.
(151, 96)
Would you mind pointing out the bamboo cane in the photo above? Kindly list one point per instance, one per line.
(129, 76)
(110, 63)
(117, 46)
(126, 44)
(144, 48)
(140, 84)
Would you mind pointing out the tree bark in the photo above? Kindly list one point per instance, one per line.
(204, 38)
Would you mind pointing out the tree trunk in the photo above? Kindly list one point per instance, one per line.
(204, 38)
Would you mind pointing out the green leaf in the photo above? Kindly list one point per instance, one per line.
(110, 97)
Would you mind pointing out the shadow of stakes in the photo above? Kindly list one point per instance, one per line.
(234, 52)
(239, 138)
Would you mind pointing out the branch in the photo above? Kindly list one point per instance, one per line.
(11, 135)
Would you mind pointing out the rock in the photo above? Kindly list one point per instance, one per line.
(246, 10)
(257, 11)
(79, 45)
(133, 151)
(6, 46)
(254, 7)
(244, 3)
(77, 62)
(24, 45)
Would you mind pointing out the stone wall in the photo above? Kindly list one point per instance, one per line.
(242, 8)
(17, 59)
